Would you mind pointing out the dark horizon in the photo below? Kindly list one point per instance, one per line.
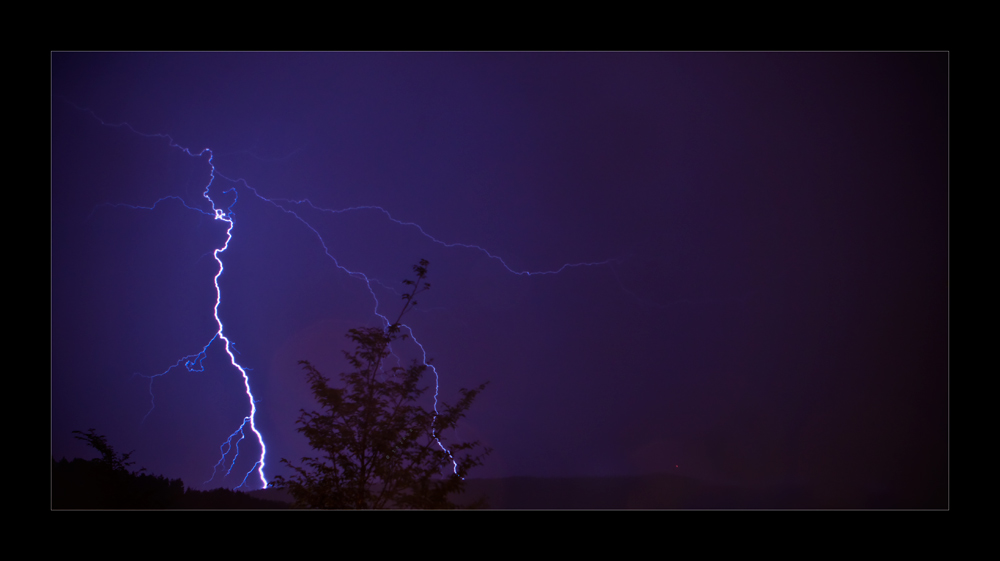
(759, 293)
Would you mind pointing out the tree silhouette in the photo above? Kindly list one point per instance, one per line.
(109, 459)
(108, 483)
(380, 448)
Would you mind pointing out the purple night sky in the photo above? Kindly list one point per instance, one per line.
(772, 305)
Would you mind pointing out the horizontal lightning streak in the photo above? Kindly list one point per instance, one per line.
(428, 236)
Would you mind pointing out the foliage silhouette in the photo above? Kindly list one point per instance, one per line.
(380, 448)
(112, 461)
(107, 482)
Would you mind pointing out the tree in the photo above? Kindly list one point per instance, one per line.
(108, 482)
(380, 448)
(114, 463)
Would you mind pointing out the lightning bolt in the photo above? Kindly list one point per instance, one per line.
(194, 362)
(226, 215)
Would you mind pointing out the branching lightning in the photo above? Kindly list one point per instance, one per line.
(195, 362)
